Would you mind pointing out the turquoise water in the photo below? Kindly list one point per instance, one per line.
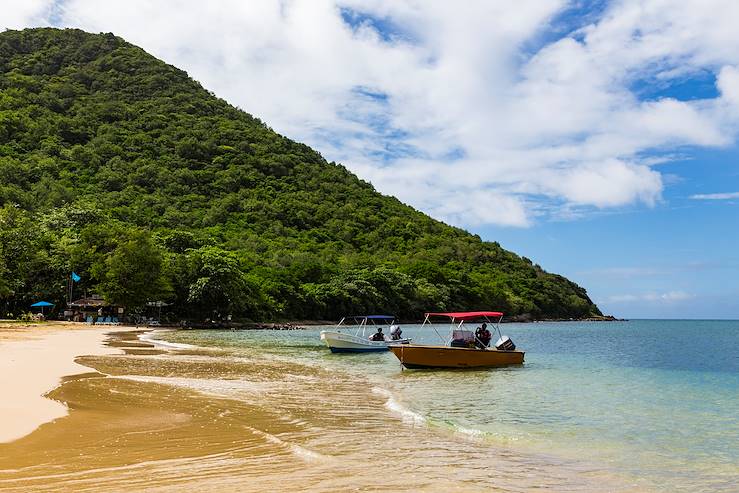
(654, 401)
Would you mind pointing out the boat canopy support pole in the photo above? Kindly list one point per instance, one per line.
(426, 321)
(497, 326)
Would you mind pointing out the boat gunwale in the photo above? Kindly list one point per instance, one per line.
(427, 346)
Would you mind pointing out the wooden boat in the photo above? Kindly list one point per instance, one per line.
(344, 339)
(462, 349)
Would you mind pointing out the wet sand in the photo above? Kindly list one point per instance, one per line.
(145, 416)
(34, 358)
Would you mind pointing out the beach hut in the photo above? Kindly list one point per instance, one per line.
(94, 309)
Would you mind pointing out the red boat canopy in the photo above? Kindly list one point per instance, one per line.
(465, 315)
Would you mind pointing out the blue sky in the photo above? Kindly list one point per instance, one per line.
(598, 138)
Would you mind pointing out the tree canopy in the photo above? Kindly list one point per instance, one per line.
(122, 168)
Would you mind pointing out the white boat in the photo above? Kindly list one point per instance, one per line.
(346, 338)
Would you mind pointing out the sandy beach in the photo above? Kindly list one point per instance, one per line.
(34, 359)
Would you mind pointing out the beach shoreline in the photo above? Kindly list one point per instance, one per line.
(35, 358)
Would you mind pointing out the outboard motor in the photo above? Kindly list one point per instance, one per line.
(395, 332)
(505, 344)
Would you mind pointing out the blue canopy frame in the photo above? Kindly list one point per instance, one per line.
(373, 317)
(362, 320)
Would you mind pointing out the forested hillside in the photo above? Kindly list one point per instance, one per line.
(121, 168)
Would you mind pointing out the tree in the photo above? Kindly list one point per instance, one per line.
(4, 285)
(218, 284)
(133, 273)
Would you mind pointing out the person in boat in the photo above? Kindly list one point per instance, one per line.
(378, 336)
(395, 332)
(483, 336)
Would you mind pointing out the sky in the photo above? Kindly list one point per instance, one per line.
(599, 139)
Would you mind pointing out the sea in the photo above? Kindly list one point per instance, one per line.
(653, 401)
(639, 405)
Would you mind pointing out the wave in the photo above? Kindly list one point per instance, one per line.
(472, 433)
(150, 337)
(297, 450)
(407, 415)
(214, 387)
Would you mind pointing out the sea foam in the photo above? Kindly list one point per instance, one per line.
(407, 415)
(150, 337)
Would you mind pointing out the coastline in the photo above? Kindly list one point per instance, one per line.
(34, 360)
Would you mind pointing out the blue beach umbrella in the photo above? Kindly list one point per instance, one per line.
(42, 305)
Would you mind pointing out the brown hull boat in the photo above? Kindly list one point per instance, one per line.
(416, 356)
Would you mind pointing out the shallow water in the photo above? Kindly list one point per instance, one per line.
(623, 406)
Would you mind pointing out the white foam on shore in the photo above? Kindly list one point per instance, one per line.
(297, 450)
(150, 337)
(215, 387)
(413, 418)
(406, 415)
(469, 432)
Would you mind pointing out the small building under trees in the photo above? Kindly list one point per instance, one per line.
(93, 309)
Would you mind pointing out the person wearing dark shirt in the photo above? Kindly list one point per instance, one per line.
(378, 336)
(483, 336)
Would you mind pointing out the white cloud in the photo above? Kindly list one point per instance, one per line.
(716, 196)
(475, 114)
(668, 297)
(17, 14)
(728, 84)
(627, 272)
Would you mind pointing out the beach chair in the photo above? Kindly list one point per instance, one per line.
(106, 321)
(114, 321)
(88, 321)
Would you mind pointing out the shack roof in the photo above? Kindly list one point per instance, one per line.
(89, 302)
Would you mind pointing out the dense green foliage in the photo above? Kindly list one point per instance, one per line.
(122, 168)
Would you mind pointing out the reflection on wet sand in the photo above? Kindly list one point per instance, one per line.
(210, 420)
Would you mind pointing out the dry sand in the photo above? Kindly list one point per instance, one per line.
(33, 360)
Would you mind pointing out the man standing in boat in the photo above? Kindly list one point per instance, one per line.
(483, 336)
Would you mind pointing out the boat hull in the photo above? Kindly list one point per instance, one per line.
(417, 357)
(341, 342)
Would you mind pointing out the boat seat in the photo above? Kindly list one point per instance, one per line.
(463, 335)
(462, 338)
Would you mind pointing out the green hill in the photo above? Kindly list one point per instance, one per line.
(121, 168)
